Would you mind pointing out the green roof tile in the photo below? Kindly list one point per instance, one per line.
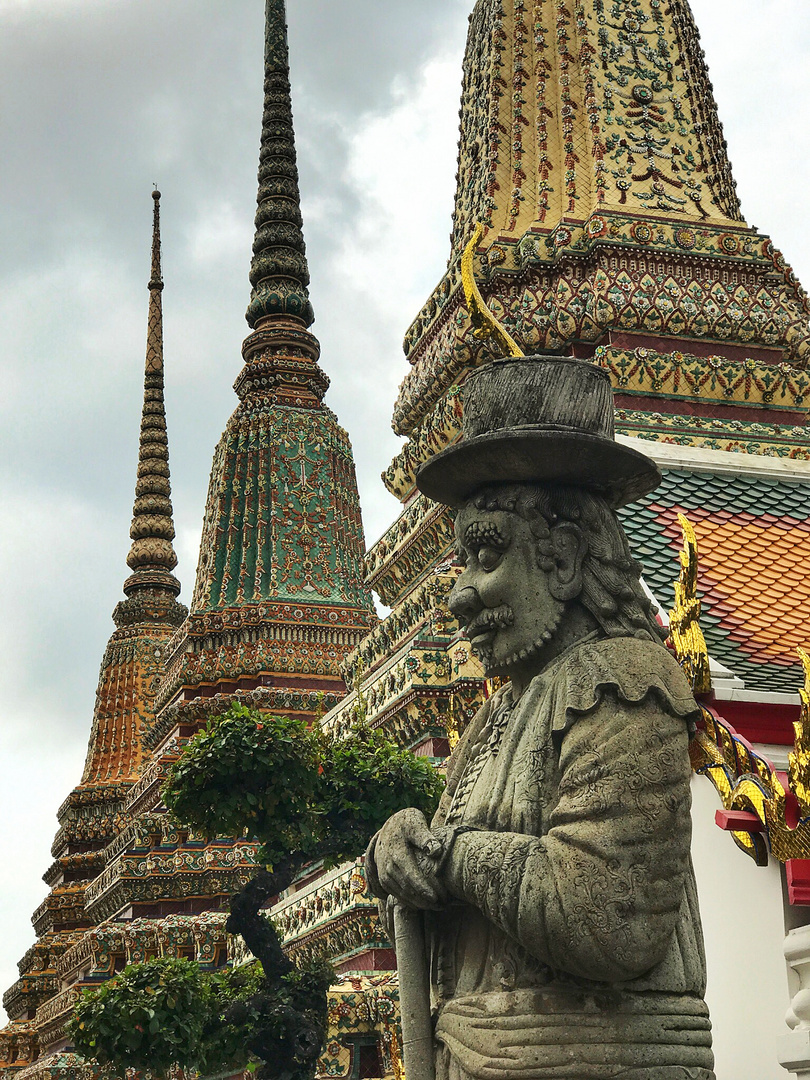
(746, 567)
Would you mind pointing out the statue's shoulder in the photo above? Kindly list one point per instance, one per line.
(633, 670)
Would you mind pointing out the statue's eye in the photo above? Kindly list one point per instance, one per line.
(488, 558)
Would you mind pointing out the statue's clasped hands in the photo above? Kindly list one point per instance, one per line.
(408, 859)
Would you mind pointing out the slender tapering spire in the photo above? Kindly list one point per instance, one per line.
(281, 554)
(152, 557)
(279, 273)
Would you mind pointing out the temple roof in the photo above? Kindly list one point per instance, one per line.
(753, 536)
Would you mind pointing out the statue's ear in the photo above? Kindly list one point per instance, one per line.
(570, 548)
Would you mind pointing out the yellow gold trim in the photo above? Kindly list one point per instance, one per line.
(717, 754)
(485, 325)
(684, 619)
(452, 726)
(799, 759)
(397, 1066)
(744, 780)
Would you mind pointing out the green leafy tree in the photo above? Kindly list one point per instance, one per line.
(305, 796)
(167, 1011)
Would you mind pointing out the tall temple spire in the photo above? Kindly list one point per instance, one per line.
(610, 107)
(280, 353)
(96, 809)
(279, 273)
(281, 554)
(152, 557)
(151, 611)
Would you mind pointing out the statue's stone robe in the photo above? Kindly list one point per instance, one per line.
(573, 945)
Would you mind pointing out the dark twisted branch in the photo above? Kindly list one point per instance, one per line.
(291, 1016)
(258, 932)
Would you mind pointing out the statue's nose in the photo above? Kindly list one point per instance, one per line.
(464, 602)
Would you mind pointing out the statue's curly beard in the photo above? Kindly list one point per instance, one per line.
(501, 618)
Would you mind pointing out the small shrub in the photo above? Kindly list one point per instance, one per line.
(304, 796)
(151, 1016)
(365, 779)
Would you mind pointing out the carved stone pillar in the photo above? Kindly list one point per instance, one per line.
(794, 1049)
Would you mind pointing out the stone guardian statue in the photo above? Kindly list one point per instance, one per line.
(555, 880)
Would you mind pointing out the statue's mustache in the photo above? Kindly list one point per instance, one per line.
(490, 619)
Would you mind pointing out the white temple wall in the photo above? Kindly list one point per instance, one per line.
(744, 926)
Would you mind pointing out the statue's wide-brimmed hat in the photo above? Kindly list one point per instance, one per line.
(539, 419)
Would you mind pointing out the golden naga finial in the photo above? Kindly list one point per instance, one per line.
(684, 619)
(485, 325)
(775, 818)
(799, 758)
(397, 1066)
(771, 816)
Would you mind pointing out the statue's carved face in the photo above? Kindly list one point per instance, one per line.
(509, 597)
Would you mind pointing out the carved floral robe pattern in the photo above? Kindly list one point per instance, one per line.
(574, 948)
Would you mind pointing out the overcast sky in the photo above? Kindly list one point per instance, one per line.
(99, 100)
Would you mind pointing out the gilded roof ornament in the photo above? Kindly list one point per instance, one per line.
(799, 759)
(766, 811)
(770, 816)
(484, 322)
(684, 619)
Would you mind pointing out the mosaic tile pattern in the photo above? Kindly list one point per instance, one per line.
(753, 536)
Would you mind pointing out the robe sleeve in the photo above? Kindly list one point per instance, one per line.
(599, 894)
(458, 764)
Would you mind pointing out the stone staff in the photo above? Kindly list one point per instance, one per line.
(414, 993)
